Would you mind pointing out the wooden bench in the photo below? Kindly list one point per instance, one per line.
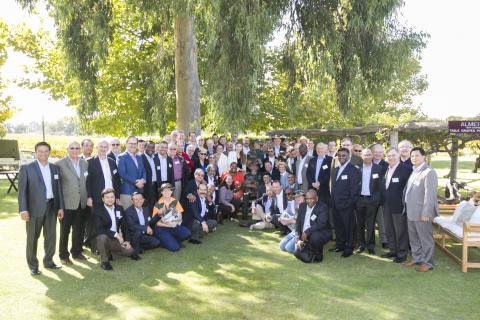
(467, 237)
(446, 208)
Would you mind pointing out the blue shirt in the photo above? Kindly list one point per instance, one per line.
(366, 173)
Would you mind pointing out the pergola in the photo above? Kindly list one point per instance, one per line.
(393, 132)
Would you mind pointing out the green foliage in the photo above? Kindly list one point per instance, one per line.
(6, 110)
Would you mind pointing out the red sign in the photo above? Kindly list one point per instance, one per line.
(464, 126)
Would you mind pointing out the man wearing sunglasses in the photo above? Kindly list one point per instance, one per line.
(114, 149)
(73, 176)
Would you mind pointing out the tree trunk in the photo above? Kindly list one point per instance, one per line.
(186, 74)
(453, 159)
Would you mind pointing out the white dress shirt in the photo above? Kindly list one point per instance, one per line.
(163, 168)
(390, 172)
(76, 166)
(141, 217)
(340, 169)
(203, 204)
(366, 173)
(300, 169)
(415, 172)
(308, 215)
(107, 174)
(47, 179)
(152, 166)
(111, 213)
(280, 202)
(318, 167)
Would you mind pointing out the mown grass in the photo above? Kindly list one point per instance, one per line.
(234, 274)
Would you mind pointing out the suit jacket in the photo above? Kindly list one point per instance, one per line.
(96, 181)
(169, 169)
(421, 197)
(74, 188)
(262, 201)
(291, 164)
(129, 173)
(375, 182)
(274, 209)
(318, 220)
(132, 222)
(112, 156)
(275, 174)
(32, 191)
(148, 190)
(346, 189)
(195, 209)
(392, 198)
(103, 223)
(304, 171)
(384, 165)
(323, 177)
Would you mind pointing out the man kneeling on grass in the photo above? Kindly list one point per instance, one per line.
(110, 223)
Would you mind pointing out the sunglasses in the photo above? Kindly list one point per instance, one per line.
(288, 193)
(356, 150)
(202, 154)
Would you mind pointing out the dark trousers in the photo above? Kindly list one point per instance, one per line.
(318, 239)
(90, 232)
(365, 222)
(111, 247)
(72, 220)
(170, 238)
(141, 241)
(197, 230)
(396, 228)
(226, 212)
(151, 196)
(34, 226)
(344, 227)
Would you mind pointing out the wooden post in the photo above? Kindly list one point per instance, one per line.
(393, 138)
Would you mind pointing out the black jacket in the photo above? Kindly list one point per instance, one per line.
(392, 198)
(318, 220)
(103, 223)
(374, 183)
(323, 177)
(132, 222)
(346, 189)
(96, 181)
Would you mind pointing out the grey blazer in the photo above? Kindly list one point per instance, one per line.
(32, 192)
(74, 188)
(304, 171)
(422, 195)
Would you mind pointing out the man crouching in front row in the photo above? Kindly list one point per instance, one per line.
(110, 223)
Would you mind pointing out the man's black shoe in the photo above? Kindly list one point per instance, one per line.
(318, 259)
(106, 266)
(335, 250)
(389, 255)
(135, 257)
(399, 260)
(194, 241)
(371, 251)
(346, 254)
(384, 245)
(52, 266)
(35, 272)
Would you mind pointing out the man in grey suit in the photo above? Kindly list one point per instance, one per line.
(301, 168)
(40, 202)
(73, 175)
(421, 204)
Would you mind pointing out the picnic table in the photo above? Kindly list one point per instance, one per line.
(12, 176)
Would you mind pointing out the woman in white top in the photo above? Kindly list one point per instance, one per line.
(222, 160)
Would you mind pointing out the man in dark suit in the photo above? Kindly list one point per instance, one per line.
(150, 163)
(114, 149)
(271, 170)
(110, 231)
(165, 165)
(132, 172)
(190, 195)
(368, 203)
(312, 224)
(396, 227)
(139, 232)
(318, 173)
(345, 191)
(40, 202)
(348, 144)
(378, 154)
(202, 211)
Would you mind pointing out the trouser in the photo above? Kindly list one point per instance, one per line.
(288, 242)
(151, 197)
(344, 226)
(246, 204)
(141, 241)
(227, 212)
(381, 226)
(111, 247)
(34, 226)
(260, 215)
(397, 233)
(365, 222)
(177, 193)
(422, 244)
(126, 201)
(72, 220)
(197, 230)
(317, 239)
(90, 231)
(170, 238)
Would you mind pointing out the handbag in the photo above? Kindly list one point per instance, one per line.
(304, 253)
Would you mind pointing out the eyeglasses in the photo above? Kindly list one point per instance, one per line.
(115, 144)
(288, 193)
(74, 148)
(202, 154)
(356, 150)
(307, 198)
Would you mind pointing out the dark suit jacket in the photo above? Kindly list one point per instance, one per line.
(392, 198)
(274, 209)
(32, 190)
(194, 212)
(112, 156)
(133, 225)
(148, 191)
(103, 223)
(169, 169)
(96, 181)
(262, 201)
(323, 177)
(318, 220)
(345, 191)
(384, 165)
(375, 182)
(275, 174)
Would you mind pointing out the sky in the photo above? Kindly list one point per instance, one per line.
(450, 61)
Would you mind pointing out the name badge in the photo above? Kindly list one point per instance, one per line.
(306, 166)
(375, 176)
(169, 165)
(85, 174)
(395, 180)
(117, 213)
(148, 219)
(313, 217)
(158, 167)
(55, 176)
(177, 162)
(115, 171)
(344, 177)
(324, 167)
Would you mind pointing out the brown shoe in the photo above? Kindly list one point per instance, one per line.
(408, 263)
(422, 268)
(66, 261)
(80, 257)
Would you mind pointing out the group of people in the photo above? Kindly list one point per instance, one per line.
(160, 194)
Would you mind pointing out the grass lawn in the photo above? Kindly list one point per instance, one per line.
(234, 274)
